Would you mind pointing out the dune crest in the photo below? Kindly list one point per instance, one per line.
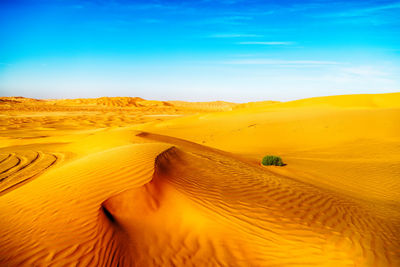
(163, 227)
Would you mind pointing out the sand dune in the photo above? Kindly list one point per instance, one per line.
(105, 184)
(204, 106)
(350, 150)
(57, 219)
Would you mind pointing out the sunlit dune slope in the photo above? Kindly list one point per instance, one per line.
(107, 185)
(199, 207)
(390, 100)
(57, 219)
(292, 125)
(350, 144)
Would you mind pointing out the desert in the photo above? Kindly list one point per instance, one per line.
(133, 182)
(226, 133)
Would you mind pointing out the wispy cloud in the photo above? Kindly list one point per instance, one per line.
(364, 71)
(278, 62)
(266, 43)
(234, 35)
(361, 12)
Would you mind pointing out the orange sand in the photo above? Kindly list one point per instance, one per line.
(133, 182)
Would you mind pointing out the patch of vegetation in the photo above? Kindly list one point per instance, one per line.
(272, 160)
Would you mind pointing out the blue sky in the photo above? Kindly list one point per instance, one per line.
(198, 50)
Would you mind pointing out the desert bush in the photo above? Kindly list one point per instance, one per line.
(272, 160)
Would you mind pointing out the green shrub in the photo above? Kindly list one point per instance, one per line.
(272, 160)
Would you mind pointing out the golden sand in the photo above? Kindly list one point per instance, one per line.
(133, 182)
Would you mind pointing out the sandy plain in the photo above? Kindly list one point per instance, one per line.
(132, 182)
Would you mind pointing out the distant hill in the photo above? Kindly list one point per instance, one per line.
(111, 102)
